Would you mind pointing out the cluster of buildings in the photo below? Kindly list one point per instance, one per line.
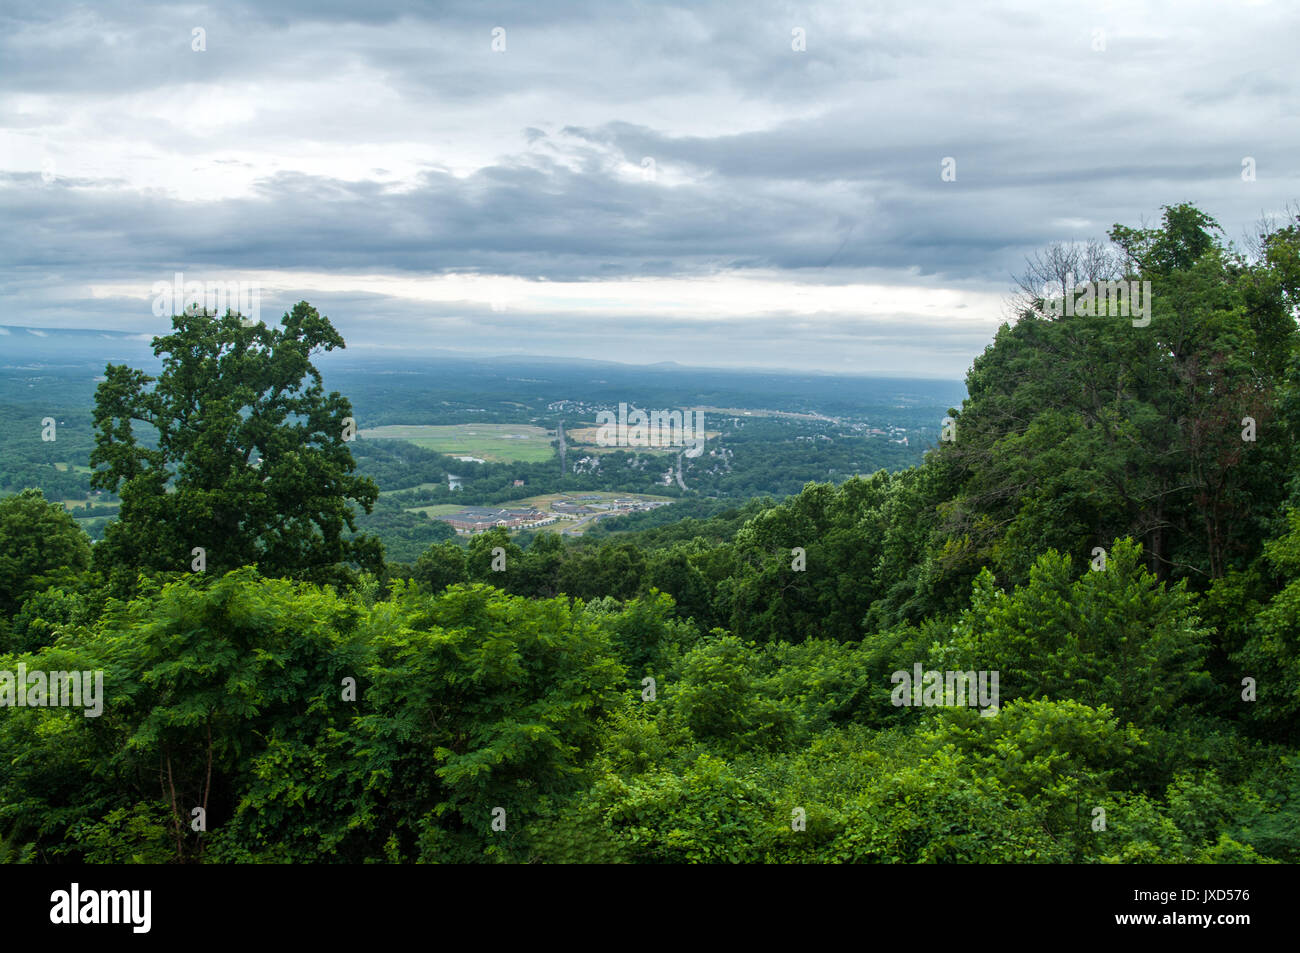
(477, 519)
(893, 433)
(584, 505)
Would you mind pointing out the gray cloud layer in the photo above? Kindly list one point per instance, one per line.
(816, 167)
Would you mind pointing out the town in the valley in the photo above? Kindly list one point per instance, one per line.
(577, 511)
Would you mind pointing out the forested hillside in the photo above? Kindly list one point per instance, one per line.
(1109, 525)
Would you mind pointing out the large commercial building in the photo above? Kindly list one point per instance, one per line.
(476, 519)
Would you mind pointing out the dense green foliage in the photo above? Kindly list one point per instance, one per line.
(249, 458)
(1102, 533)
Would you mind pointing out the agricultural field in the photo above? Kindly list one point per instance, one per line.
(434, 510)
(494, 443)
(583, 439)
(418, 486)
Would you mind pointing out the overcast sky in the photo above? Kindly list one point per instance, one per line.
(637, 182)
